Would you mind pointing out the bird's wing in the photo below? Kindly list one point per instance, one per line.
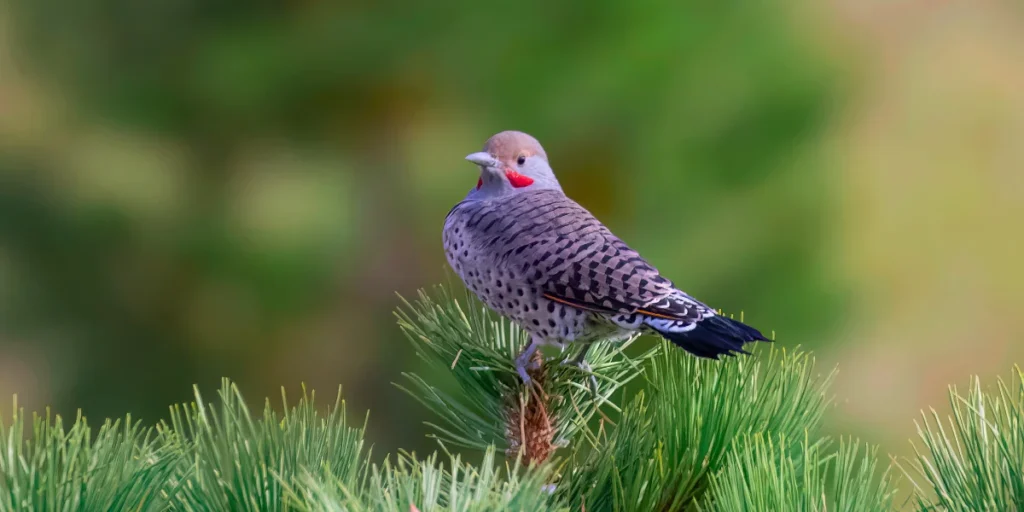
(553, 242)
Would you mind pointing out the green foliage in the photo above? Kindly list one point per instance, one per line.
(733, 435)
(977, 463)
(479, 351)
(430, 486)
(780, 394)
(236, 462)
(765, 473)
(683, 433)
(75, 469)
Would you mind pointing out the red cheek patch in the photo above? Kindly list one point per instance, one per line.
(518, 180)
(479, 183)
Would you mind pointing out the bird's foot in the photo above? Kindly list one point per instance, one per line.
(584, 367)
(526, 362)
(523, 375)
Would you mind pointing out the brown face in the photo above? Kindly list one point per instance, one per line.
(509, 146)
(512, 148)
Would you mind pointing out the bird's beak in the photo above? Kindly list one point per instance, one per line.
(483, 159)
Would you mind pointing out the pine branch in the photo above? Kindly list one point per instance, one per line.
(730, 435)
(668, 444)
(977, 463)
(493, 406)
(75, 469)
(428, 485)
(237, 462)
(778, 473)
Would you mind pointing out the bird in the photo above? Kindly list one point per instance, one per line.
(544, 262)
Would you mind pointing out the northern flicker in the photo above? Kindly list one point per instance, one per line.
(541, 260)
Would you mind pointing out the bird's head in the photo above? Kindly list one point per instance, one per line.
(512, 162)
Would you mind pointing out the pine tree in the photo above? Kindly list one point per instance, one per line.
(663, 431)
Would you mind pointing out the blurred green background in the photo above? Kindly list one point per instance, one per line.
(192, 189)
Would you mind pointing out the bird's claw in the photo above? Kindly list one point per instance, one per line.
(521, 370)
(524, 363)
(584, 366)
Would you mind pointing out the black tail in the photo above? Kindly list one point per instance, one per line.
(715, 336)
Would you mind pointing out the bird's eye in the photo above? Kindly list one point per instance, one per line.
(521, 160)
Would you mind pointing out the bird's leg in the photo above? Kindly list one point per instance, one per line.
(580, 361)
(524, 361)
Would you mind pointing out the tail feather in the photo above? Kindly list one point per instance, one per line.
(712, 337)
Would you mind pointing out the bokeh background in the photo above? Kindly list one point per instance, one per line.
(192, 189)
